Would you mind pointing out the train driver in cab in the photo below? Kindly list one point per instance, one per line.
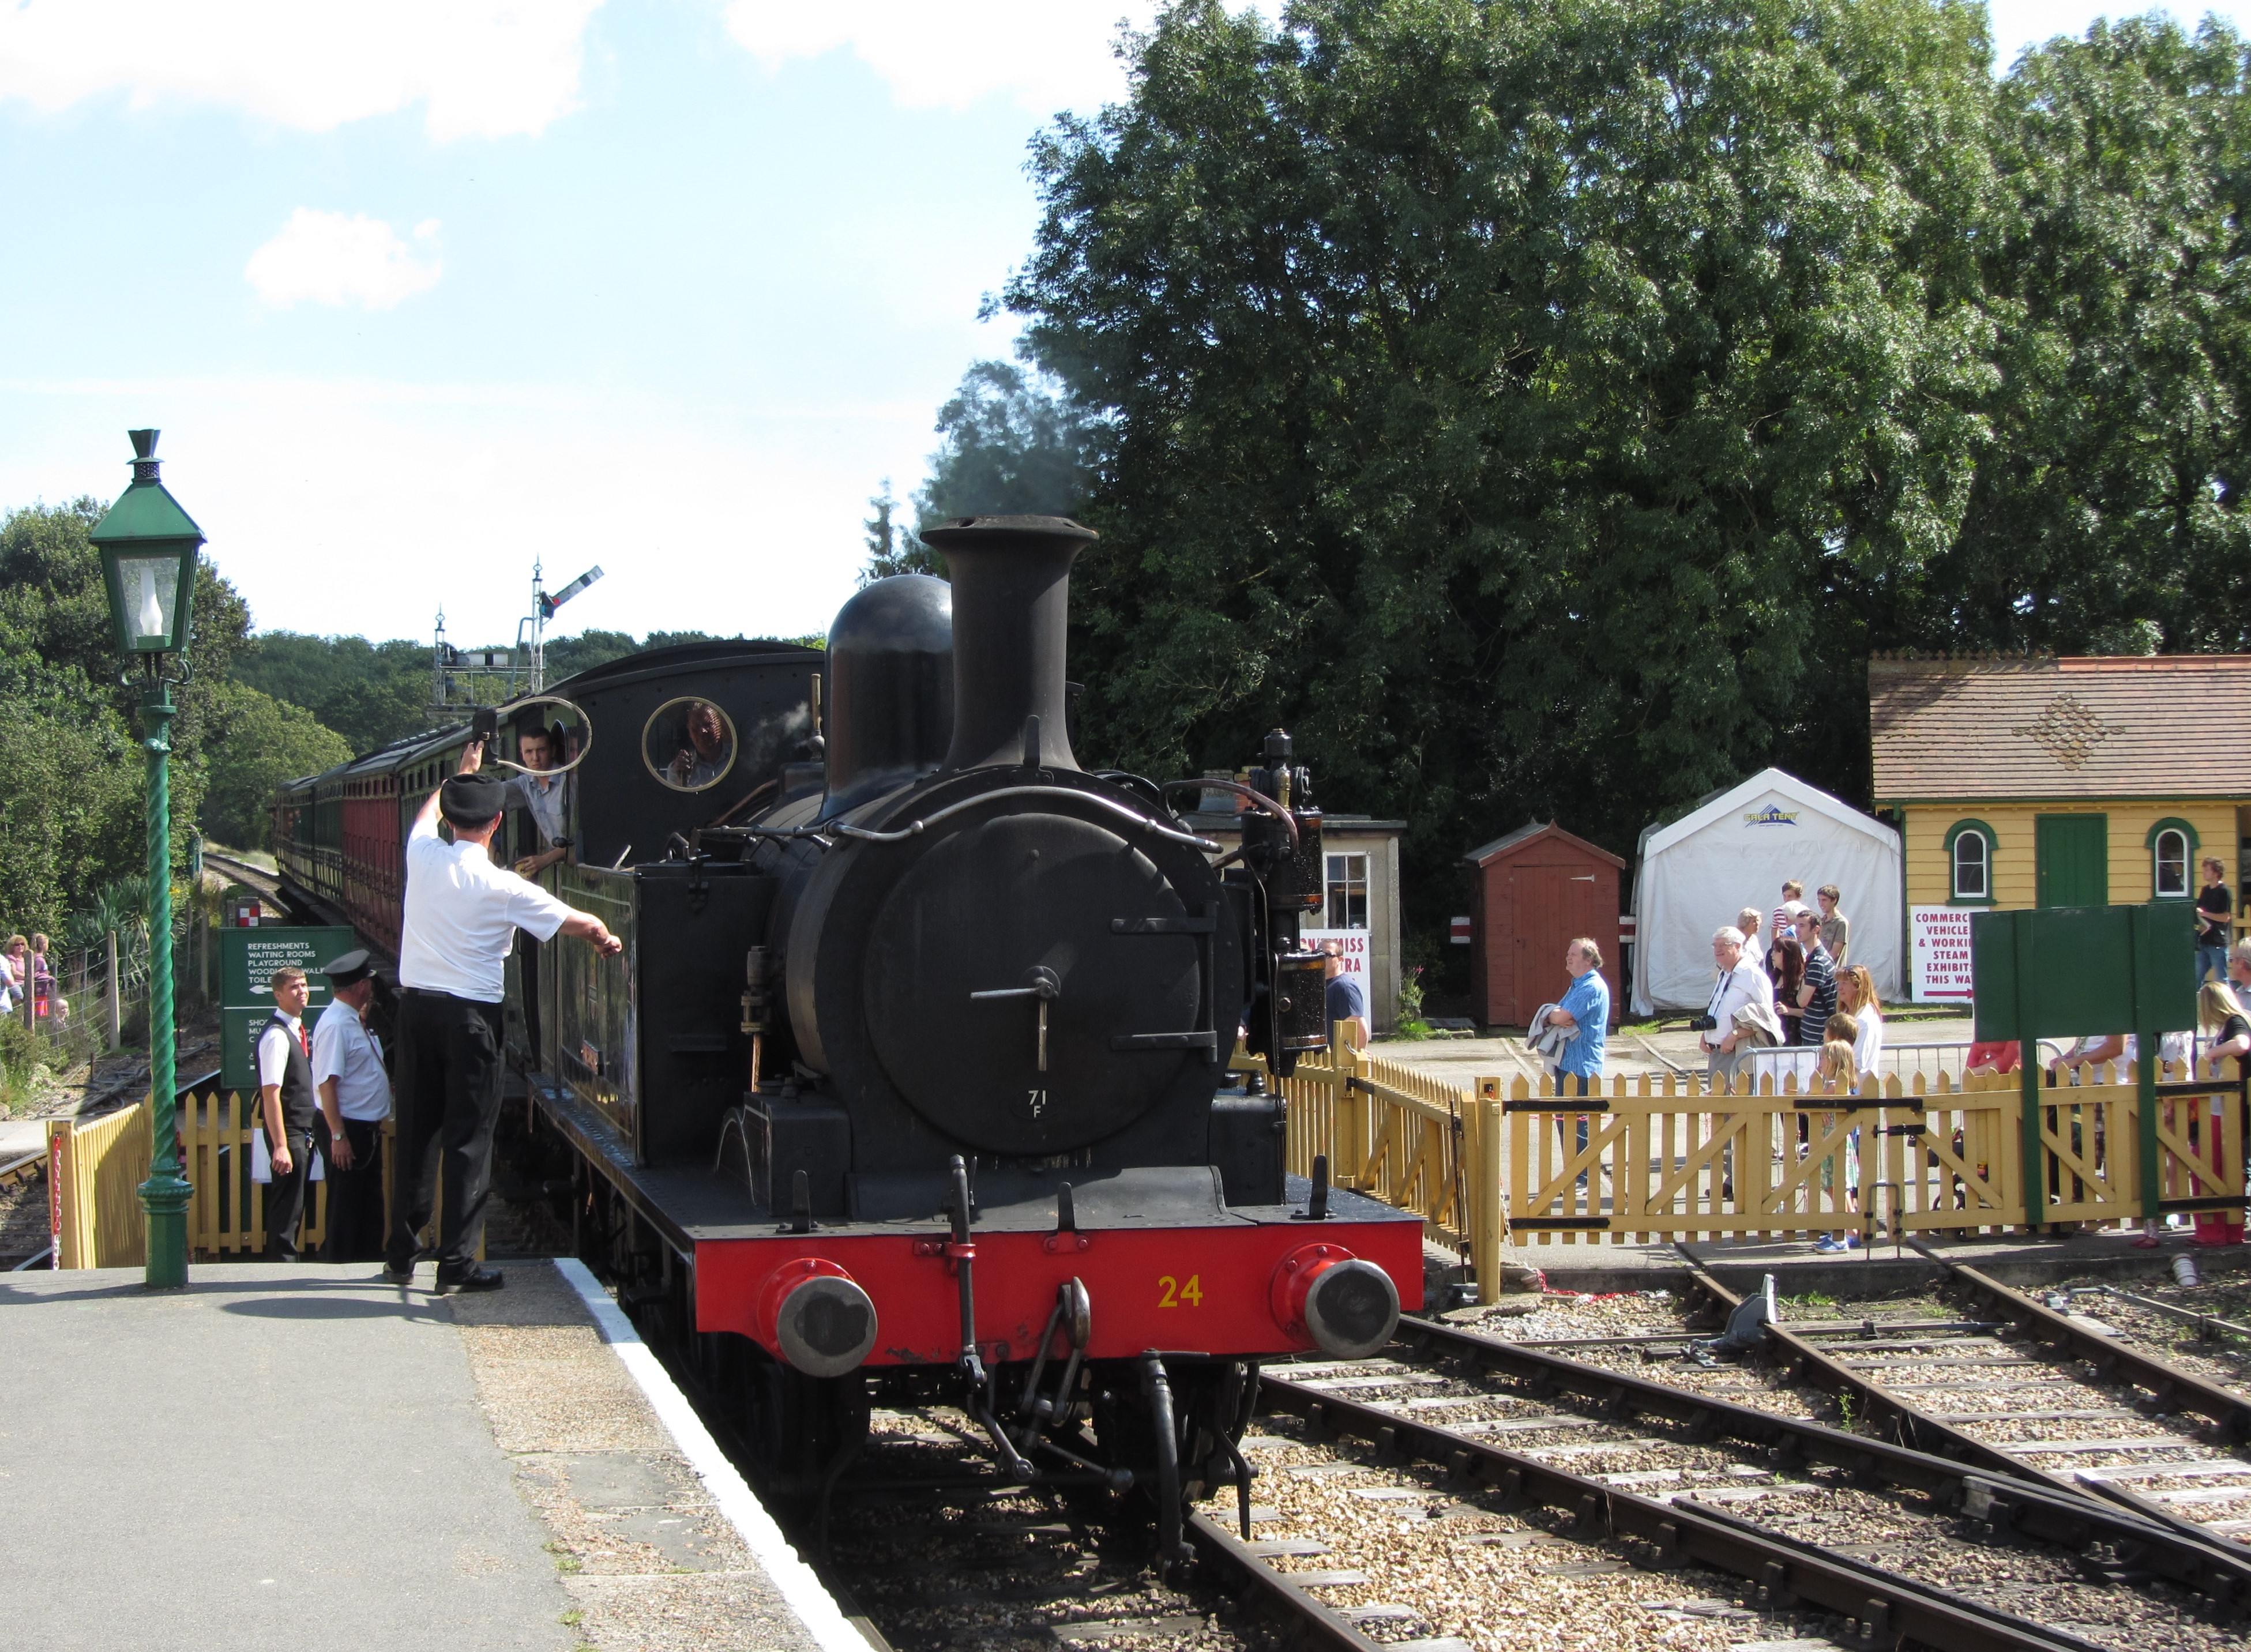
(461, 916)
(543, 794)
(703, 758)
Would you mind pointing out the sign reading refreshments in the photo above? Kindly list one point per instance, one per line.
(247, 960)
(1939, 938)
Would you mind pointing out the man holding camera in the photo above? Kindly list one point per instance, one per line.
(462, 913)
(1741, 986)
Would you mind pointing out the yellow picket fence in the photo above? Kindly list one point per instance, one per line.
(1406, 1139)
(227, 1213)
(1512, 1162)
(94, 1173)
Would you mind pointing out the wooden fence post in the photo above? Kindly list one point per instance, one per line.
(115, 1021)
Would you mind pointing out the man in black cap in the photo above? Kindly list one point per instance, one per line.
(355, 1095)
(462, 913)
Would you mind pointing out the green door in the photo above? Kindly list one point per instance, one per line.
(2075, 859)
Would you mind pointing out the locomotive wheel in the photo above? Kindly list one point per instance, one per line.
(801, 1430)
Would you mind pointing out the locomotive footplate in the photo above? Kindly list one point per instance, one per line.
(1166, 1262)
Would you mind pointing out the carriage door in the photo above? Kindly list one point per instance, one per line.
(2074, 851)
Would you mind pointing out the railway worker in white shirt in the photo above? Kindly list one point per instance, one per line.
(286, 1109)
(355, 1095)
(462, 913)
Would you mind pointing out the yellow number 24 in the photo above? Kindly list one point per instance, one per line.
(1175, 1293)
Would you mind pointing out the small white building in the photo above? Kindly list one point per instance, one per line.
(1735, 849)
(1361, 907)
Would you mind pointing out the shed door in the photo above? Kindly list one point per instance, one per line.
(1554, 905)
(2074, 853)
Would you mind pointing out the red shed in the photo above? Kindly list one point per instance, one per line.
(1535, 891)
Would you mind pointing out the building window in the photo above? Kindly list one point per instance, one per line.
(2169, 854)
(1348, 893)
(1969, 861)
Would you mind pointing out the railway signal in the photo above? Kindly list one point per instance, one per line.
(148, 546)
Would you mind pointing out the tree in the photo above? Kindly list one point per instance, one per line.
(892, 547)
(1507, 399)
(71, 716)
(2109, 509)
(258, 745)
(1010, 445)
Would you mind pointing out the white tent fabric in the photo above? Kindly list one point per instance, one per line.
(1735, 851)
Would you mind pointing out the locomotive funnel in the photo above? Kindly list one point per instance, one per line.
(1011, 601)
(890, 687)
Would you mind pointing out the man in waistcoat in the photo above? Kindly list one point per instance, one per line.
(462, 913)
(287, 1106)
(355, 1095)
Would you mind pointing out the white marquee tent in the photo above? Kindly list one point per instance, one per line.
(1735, 851)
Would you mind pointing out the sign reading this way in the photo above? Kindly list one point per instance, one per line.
(1940, 937)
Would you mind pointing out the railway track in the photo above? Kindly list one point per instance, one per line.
(1597, 1432)
(2055, 1397)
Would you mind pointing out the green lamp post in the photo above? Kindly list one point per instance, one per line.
(148, 545)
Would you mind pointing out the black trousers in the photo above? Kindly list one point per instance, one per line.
(285, 1194)
(354, 1195)
(448, 1100)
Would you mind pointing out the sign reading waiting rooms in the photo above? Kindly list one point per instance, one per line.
(1939, 936)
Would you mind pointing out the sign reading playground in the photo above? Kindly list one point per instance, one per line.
(1940, 937)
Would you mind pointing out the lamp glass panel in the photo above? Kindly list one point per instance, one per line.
(149, 587)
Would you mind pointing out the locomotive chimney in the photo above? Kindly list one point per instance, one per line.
(890, 687)
(1011, 599)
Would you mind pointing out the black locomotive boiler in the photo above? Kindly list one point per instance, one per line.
(915, 1079)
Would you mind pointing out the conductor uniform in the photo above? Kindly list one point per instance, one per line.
(461, 916)
(355, 1095)
(285, 1060)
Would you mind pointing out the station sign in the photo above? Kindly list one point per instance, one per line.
(247, 960)
(1940, 939)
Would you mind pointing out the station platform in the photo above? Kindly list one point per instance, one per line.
(304, 1457)
(1880, 1271)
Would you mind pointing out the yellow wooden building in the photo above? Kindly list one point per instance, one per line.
(2024, 781)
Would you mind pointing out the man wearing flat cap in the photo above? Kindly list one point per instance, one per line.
(462, 914)
(355, 1094)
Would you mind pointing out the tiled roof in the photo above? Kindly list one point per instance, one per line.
(2012, 726)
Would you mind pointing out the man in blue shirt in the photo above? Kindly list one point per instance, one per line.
(1347, 1000)
(1584, 1012)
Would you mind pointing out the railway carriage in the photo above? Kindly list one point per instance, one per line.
(913, 1075)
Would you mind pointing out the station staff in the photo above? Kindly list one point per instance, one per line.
(354, 1096)
(462, 913)
(286, 1107)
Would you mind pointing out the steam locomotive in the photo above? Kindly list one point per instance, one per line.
(912, 1080)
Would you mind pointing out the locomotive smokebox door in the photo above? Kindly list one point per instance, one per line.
(1034, 984)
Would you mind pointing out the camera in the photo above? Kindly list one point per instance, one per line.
(1702, 1024)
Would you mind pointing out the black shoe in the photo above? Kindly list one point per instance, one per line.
(469, 1278)
(396, 1276)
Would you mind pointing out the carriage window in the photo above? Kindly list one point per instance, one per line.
(689, 744)
(2169, 852)
(1348, 893)
(1971, 857)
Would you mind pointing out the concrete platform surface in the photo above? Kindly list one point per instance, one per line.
(305, 1458)
(273, 1458)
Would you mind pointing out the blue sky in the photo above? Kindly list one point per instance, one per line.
(421, 290)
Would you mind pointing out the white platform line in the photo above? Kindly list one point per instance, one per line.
(816, 1608)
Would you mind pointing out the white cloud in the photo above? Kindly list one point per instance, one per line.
(1047, 54)
(484, 68)
(326, 258)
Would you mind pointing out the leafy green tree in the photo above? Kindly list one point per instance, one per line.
(2109, 512)
(259, 744)
(370, 693)
(1507, 399)
(893, 548)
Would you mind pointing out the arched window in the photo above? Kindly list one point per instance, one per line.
(1969, 861)
(2172, 853)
